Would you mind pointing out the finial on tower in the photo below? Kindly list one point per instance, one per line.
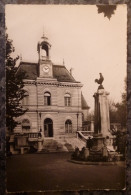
(43, 35)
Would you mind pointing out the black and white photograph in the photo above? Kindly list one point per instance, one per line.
(66, 83)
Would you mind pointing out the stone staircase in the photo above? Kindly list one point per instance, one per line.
(52, 145)
(62, 145)
(69, 147)
(76, 142)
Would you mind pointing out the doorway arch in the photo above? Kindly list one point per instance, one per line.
(48, 127)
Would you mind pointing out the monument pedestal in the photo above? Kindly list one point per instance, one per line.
(98, 142)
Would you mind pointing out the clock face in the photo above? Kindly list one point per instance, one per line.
(46, 69)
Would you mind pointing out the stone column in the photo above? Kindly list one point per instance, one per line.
(40, 145)
(22, 150)
(97, 122)
(92, 126)
(104, 112)
(102, 120)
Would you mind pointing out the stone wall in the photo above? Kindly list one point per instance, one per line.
(57, 111)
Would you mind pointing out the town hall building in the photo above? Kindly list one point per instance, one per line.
(56, 106)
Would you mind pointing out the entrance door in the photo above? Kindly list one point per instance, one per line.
(48, 127)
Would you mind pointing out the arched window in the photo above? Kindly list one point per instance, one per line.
(67, 98)
(25, 100)
(45, 47)
(25, 125)
(43, 54)
(47, 99)
(68, 126)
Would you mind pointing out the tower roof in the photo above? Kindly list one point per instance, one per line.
(59, 72)
(42, 41)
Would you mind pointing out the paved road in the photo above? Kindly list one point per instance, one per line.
(33, 172)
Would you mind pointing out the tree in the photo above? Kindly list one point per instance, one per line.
(113, 112)
(118, 114)
(118, 111)
(122, 108)
(14, 88)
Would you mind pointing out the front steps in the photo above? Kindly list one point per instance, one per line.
(69, 147)
(61, 145)
(52, 145)
(76, 142)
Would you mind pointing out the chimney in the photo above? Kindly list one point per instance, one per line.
(71, 71)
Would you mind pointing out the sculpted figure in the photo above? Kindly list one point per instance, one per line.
(100, 81)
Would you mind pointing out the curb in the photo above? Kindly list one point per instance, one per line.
(93, 163)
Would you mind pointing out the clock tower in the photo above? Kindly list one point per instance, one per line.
(44, 63)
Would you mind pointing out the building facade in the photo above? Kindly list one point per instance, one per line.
(54, 101)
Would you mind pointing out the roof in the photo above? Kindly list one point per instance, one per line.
(29, 69)
(59, 72)
(62, 74)
(84, 104)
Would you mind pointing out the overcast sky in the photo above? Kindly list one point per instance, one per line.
(87, 41)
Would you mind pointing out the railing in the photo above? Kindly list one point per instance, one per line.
(29, 135)
(85, 130)
(81, 136)
(87, 133)
(33, 135)
(84, 135)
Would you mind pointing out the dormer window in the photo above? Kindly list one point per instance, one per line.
(47, 99)
(67, 98)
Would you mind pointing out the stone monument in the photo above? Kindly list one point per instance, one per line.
(101, 145)
(102, 135)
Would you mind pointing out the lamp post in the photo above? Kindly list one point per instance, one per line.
(40, 142)
(77, 120)
(40, 122)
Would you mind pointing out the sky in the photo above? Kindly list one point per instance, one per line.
(88, 42)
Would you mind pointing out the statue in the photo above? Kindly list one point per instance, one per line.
(100, 81)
